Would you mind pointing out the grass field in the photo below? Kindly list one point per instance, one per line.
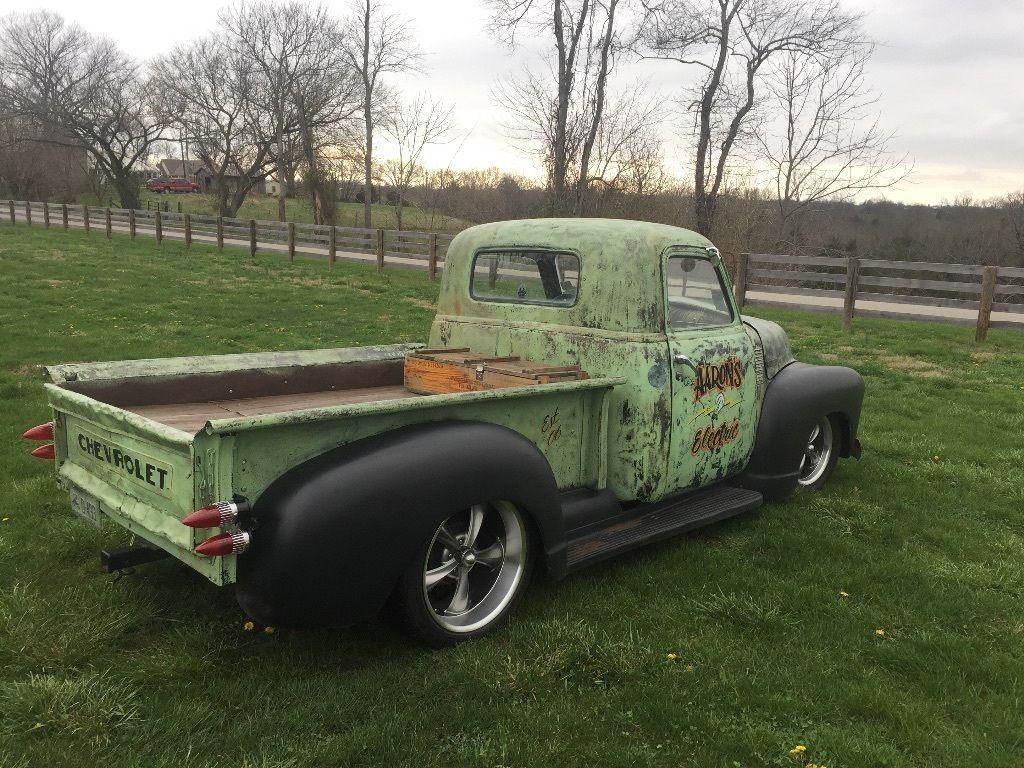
(299, 210)
(877, 623)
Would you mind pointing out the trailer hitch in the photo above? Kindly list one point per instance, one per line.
(120, 562)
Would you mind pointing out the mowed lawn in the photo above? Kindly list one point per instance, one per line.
(877, 623)
(299, 210)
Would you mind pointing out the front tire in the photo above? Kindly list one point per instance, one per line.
(467, 578)
(821, 454)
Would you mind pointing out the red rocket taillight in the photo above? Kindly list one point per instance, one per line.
(224, 544)
(42, 432)
(217, 515)
(47, 452)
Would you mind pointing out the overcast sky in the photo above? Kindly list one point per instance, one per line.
(949, 75)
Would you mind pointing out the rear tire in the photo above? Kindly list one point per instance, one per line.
(466, 579)
(821, 454)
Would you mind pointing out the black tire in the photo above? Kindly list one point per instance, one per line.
(821, 455)
(424, 587)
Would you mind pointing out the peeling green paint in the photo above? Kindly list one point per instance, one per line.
(642, 425)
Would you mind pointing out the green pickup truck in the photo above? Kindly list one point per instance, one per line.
(324, 490)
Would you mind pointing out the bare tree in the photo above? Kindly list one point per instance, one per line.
(559, 113)
(732, 41)
(1013, 209)
(413, 128)
(825, 141)
(206, 89)
(81, 92)
(377, 43)
(298, 78)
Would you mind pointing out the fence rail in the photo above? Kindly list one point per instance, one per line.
(929, 290)
(418, 250)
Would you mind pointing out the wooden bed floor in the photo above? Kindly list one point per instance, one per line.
(191, 417)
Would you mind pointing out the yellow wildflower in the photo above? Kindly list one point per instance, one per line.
(269, 630)
(843, 593)
(6, 520)
(879, 632)
(671, 656)
(799, 749)
(249, 626)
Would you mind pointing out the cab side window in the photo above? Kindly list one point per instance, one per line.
(696, 295)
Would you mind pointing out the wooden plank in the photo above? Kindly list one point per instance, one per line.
(913, 283)
(740, 288)
(1016, 272)
(814, 261)
(432, 263)
(807, 277)
(1005, 306)
(791, 290)
(850, 299)
(922, 266)
(927, 301)
(988, 292)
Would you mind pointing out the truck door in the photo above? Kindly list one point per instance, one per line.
(714, 388)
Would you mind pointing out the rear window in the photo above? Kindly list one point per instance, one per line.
(524, 276)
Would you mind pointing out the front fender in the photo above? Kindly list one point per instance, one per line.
(794, 400)
(334, 534)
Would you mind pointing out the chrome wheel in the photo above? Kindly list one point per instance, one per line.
(474, 566)
(817, 453)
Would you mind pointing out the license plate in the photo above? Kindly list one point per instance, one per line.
(86, 507)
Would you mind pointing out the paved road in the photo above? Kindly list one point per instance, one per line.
(754, 297)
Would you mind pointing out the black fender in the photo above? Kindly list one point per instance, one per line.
(332, 536)
(794, 400)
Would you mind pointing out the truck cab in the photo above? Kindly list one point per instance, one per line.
(324, 486)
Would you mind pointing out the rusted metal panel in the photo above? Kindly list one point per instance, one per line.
(555, 417)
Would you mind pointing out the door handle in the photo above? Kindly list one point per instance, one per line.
(682, 359)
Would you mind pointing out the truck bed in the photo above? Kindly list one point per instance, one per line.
(145, 442)
(191, 417)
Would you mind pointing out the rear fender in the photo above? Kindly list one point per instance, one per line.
(795, 399)
(334, 534)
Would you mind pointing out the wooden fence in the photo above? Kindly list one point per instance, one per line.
(424, 250)
(947, 292)
(838, 283)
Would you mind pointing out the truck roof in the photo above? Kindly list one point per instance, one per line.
(620, 271)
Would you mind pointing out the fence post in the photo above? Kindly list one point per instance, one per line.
(252, 237)
(64, 215)
(159, 227)
(432, 262)
(108, 223)
(741, 280)
(988, 295)
(131, 222)
(179, 206)
(46, 214)
(28, 213)
(332, 246)
(188, 231)
(220, 232)
(10, 204)
(85, 218)
(850, 300)
(380, 249)
(291, 241)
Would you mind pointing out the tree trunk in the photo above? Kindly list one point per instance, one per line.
(127, 189)
(368, 119)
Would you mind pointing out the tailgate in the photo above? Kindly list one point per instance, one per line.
(140, 473)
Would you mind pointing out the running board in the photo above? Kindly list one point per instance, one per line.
(660, 522)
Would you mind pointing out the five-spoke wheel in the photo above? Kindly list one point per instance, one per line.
(468, 575)
(820, 454)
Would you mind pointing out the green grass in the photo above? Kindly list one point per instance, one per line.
(925, 535)
(299, 210)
